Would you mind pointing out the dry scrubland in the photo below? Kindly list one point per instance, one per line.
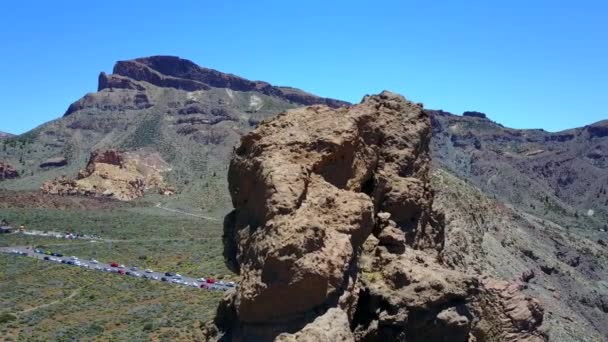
(41, 300)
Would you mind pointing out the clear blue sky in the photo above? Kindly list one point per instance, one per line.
(527, 64)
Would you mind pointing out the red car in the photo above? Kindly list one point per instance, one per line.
(114, 264)
(121, 272)
(210, 281)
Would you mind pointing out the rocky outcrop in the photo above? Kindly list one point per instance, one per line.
(112, 101)
(598, 130)
(334, 223)
(54, 162)
(120, 175)
(7, 172)
(117, 81)
(474, 114)
(175, 72)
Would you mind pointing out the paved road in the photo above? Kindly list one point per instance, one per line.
(122, 270)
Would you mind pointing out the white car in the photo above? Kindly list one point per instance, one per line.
(177, 275)
(93, 261)
(155, 277)
(121, 266)
(98, 268)
(149, 271)
(201, 280)
(73, 258)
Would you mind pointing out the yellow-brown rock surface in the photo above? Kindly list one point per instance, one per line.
(120, 175)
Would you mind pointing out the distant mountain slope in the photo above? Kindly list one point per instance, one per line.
(191, 115)
(562, 176)
(5, 135)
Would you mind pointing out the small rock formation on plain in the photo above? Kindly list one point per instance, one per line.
(335, 237)
(7, 172)
(120, 175)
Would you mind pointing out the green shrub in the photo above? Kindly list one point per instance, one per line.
(7, 317)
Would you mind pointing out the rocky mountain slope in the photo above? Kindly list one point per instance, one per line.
(335, 237)
(560, 176)
(190, 115)
(564, 268)
(5, 135)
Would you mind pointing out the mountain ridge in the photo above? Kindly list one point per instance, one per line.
(183, 74)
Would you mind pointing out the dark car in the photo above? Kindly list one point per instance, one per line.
(57, 254)
(163, 279)
(64, 261)
(128, 273)
(46, 258)
(169, 274)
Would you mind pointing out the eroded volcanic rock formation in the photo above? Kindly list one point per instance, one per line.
(177, 73)
(7, 171)
(121, 175)
(335, 237)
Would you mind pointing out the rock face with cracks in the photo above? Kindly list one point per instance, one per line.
(335, 237)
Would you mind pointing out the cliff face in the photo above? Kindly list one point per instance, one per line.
(335, 237)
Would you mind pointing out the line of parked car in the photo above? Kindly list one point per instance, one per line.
(114, 267)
